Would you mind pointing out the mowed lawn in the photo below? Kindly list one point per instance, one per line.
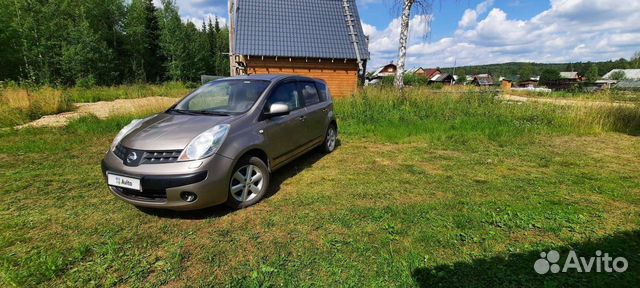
(438, 191)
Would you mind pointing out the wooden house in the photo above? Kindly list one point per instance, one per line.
(571, 77)
(427, 73)
(419, 72)
(319, 39)
(443, 78)
(531, 83)
(384, 71)
(482, 80)
(506, 84)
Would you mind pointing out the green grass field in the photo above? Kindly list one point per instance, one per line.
(427, 191)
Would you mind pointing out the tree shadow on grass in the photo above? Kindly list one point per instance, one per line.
(517, 270)
(278, 177)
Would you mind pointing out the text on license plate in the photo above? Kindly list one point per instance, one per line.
(124, 182)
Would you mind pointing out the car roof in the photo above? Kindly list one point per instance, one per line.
(269, 77)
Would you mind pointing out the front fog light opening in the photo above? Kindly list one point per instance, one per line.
(188, 196)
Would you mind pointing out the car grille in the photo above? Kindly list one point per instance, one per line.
(148, 157)
(157, 157)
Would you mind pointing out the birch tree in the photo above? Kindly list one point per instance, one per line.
(407, 6)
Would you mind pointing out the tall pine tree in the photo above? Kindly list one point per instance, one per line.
(143, 42)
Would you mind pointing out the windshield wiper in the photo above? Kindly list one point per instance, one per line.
(187, 112)
(209, 112)
(200, 112)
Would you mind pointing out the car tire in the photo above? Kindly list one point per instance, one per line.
(251, 190)
(330, 139)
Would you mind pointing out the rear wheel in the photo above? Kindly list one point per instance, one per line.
(249, 182)
(330, 139)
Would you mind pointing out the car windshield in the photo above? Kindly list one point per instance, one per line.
(223, 97)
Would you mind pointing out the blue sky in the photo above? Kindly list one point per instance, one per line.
(469, 32)
(446, 13)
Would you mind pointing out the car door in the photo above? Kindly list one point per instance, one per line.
(284, 134)
(317, 108)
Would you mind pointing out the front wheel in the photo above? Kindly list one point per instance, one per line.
(330, 139)
(249, 182)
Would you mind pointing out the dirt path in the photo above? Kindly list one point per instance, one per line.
(103, 110)
(523, 99)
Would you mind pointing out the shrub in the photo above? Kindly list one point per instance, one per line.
(549, 76)
(86, 82)
(409, 80)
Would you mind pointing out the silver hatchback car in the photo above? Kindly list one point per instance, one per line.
(220, 143)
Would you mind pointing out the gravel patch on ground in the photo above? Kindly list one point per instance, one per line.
(514, 98)
(102, 110)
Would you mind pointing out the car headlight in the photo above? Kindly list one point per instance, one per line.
(125, 131)
(205, 144)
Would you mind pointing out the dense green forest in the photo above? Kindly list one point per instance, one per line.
(517, 70)
(106, 42)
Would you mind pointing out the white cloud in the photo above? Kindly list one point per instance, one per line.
(369, 30)
(571, 30)
(471, 16)
(386, 41)
(468, 18)
(198, 10)
(483, 6)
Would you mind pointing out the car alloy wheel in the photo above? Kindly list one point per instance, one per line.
(330, 141)
(247, 183)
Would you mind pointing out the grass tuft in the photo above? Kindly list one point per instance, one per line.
(18, 105)
(95, 94)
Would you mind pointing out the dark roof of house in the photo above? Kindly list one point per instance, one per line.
(297, 28)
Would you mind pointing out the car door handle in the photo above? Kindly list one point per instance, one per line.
(324, 110)
(302, 118)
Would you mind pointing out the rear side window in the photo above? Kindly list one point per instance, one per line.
(309, 93)
(286, 93)
(322, 91)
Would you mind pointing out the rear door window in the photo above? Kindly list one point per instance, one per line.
(309, 93)
(322, 91)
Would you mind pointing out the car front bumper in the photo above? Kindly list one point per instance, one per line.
(163, 184)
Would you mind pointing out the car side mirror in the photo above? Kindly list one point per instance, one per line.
(277, 109)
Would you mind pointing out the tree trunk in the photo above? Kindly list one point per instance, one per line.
(404, 35)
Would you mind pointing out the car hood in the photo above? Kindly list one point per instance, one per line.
(170, 132)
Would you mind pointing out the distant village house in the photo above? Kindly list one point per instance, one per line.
(629, 81)
(482, 80)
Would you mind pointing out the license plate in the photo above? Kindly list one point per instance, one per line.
(124, 182)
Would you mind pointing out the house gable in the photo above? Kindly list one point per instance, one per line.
(297, 28)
